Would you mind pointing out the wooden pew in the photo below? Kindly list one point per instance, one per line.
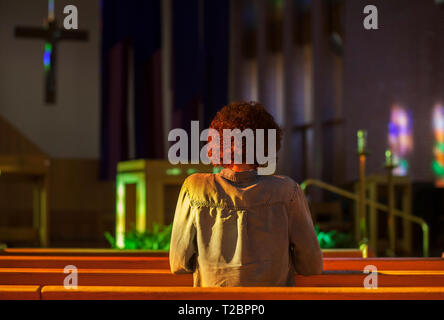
(111, 262)
(94, 277)
(356, 264)
(82, 252)
(269, 293)
(162, 277)
(330, 253)
(81, 262)
(14, 292)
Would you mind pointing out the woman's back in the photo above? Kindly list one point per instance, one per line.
(243, 229)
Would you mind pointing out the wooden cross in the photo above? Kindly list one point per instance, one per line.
(52, 34)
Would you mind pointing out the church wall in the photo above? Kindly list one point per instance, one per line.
(69, 128)
(400, 63)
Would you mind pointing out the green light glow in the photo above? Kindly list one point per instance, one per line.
(334, 239)
(388, 157)
(191, 171)
(133, 165)
(173, 172)
(362, 140)
(217, 169)
(121, 180)
(437, 168)
(440, 147)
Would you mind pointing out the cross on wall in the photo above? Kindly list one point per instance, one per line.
(52, 35)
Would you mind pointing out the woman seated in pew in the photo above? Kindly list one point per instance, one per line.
(240, 227)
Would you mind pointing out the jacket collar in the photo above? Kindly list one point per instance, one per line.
(242, 176)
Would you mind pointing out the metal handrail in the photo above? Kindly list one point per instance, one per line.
(380, 206)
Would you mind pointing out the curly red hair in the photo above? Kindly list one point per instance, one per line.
(244, 115)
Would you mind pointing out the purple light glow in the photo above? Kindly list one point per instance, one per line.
(400, 138)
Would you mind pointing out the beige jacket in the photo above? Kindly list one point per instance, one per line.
(243, 229)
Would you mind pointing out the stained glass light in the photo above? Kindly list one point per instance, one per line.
(400, 139)
(438, 127)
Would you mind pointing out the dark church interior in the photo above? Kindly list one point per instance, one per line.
(90, 89)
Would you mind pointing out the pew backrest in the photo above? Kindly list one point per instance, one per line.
(83, 262)
(17, 292)
(240, 293)
(162, 277)
(112, 262)
(83, 252)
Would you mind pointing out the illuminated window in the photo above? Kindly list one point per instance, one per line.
(438, 162)
(400, 139)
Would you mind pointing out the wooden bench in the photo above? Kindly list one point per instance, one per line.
(15, 292)
(94, 277)
(111, 262)
(82, 252)
(384, 263)
(162, 277)
(82, 262)
(257, 293)
(328, 253)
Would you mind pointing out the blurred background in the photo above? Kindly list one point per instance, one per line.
(76, 104)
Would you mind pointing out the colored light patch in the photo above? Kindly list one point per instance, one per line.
(438, 168)
(438, 163)
(122, 180)
(47, 56)
(400, 139)
(439, 157)
(51, 7)
(217, 169)
(48, 47)
(173, 172)
(47, 59)
(440, 147)
(362, 141)
(389, 158)
(191, 171)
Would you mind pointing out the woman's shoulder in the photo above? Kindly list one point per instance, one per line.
(281, 180)
(198, 178)
(283, 185)
(198, 181)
